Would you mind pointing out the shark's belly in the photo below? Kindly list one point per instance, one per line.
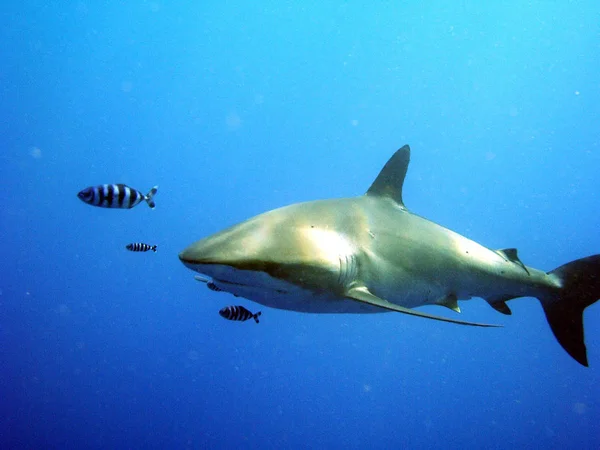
(279, 294)
(264, 289)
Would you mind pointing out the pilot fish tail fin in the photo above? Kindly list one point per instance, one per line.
(150, 197)
(255, 316)
(564, 308)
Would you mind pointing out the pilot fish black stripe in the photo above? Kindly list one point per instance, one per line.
(121, 196)
(140, 247)
(213, 287)
(238, 313)
(116, 196)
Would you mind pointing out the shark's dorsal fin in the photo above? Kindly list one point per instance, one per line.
(391, 178)
(362, 294)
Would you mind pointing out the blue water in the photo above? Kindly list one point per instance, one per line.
(234, 108)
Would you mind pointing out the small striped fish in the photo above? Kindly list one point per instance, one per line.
(210, 284)
(116, 196)
(140, 247)
(238, 313)
(213, 287)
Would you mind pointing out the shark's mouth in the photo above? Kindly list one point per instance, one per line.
(217, 284)
(246, 281)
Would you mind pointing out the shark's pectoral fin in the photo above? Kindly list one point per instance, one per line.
(362, 294)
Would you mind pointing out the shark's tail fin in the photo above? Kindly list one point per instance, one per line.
(149, 197)
(564, 309)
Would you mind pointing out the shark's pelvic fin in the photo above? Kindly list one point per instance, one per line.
(362, 294)
(450, 301)
(391, 178)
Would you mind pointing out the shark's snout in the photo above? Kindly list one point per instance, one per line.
(209, 251)
(186, 256)
(194, 255)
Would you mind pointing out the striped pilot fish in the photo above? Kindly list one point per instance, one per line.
(210, 284)
(140, 247)
(238, 313)
(116, 196)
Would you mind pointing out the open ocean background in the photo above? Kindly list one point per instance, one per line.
(234, 108)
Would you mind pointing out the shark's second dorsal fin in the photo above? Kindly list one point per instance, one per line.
(391, 178)
(511, 255)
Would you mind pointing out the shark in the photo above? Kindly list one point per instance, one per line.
(370, 254)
